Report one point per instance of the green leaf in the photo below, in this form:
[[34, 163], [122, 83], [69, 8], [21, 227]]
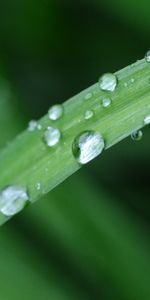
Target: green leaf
[[28, 160]]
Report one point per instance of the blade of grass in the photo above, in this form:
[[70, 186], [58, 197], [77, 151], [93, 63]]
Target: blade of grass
[[28, 160], [102, 241], [23, 273]]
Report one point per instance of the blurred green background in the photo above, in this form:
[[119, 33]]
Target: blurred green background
[[89, 238]]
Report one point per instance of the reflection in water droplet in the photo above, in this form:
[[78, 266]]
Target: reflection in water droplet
[[108, 82], [52, 136], [12, 200], [137, 135], [147, 56], [147, 120], [88, 114], [87, 145], [106, 102], [55, 112]]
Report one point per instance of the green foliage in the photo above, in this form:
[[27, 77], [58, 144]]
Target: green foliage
[[89, 238], [31, 161]]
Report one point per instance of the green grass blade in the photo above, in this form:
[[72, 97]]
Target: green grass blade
[[28, 160]]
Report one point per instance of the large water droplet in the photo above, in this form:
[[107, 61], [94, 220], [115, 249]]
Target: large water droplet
[[52, 136], [108, 82], [88, 114], [12, 200], [147, 120], [137, 135], [87, 146], [106, 102], [55, 112], [147, 56]]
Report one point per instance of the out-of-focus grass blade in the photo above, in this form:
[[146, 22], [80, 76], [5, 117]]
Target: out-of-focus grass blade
[[23, 274], [137, 18], [101, 239]]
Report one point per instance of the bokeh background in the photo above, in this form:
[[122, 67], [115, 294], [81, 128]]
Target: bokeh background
[[89, 238]]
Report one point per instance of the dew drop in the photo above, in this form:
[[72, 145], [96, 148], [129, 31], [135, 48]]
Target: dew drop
[[39, 126], [87, 146], [52, 136], [32, 125], [12, 200], [132, 80], [108, 82], [55, 112], [88, 114], [147, 120], [38, 186], [106, 102], [137, 135], [147, 56], [88, 96]]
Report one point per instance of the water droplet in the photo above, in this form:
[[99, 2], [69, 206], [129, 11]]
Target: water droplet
[[132, 80], [147, 56], [125, 84], [38, 186], [88, 114], [106, 102], [87, 146], [39, 126], [12, 200], [55, 112], [32, 125], [137, 135], [88, 96], [52, 136], [108, 82], [147, 120]]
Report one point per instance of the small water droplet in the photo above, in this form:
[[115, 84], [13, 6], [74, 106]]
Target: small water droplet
[[132, 80], [39, 126], [12, 200], [38, 186], [147, 120], [87, 145], [125, 84], [88, 96], [147, 56], [108, 82], [137, 135], [106, 102], [32, 125], [88, 114], [55, 112], [52, 136]]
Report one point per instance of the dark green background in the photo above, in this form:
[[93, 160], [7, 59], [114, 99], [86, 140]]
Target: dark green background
[[89, 238]]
